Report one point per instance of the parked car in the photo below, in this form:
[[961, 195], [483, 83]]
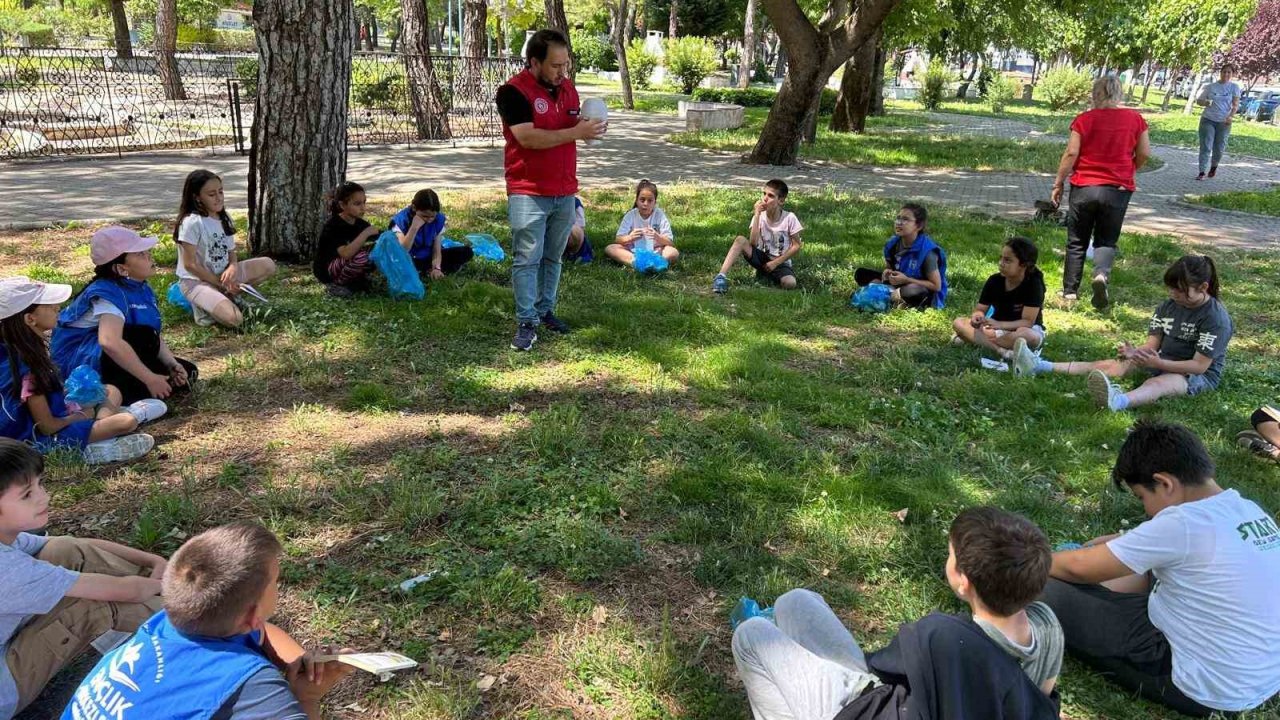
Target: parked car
[[1245, 99], [1263, 107]]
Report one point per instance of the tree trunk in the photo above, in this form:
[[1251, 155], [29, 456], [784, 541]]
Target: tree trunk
[[780, 62], [672, 19], [124, 44], [963, 90], [854, 102], [618, 18], [299, 149], [474, 49], [1146, 86], [429, 112], [877, 79], [780, 137], [556, 21], [748, 67], [166, 48], [373, 30], [1133, 80]]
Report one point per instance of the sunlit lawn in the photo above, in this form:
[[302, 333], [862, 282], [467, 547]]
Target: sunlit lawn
[[1264, 202]]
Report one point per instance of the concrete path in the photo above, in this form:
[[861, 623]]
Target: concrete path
[[146, 185]]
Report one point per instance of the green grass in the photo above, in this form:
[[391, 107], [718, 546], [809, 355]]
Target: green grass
[[1263, 202], [589, 512], [897, 139]]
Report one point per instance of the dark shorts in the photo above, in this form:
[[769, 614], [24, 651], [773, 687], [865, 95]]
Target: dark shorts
[[759, 258]]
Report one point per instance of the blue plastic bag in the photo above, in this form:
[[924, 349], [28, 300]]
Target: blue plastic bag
[[872, 298], [177, 299], [84, 387], [447, 243], [747, 609], [649, 261], [486, 246], [396, 265], [1067, 546]]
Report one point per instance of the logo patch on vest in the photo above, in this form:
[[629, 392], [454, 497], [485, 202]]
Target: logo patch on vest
[[541, 106]]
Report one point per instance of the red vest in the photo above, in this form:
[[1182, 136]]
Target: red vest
[[551, 172]]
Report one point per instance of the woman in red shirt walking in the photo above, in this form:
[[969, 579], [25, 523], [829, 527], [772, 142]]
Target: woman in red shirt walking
[[1108, 144]]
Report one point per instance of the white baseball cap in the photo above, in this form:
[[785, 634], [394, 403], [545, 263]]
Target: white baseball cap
[[19, 293]]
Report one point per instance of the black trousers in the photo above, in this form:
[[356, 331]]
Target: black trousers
[[451, 260], [1111, 632], [146, 344], [1096, 212], [913, 296]]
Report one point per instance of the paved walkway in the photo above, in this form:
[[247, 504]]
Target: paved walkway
[[146, 185]]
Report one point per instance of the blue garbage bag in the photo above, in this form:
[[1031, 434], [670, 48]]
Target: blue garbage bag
[[872, 298], [1067, 546], [84, 387], [649, 261], [177, 299], [447, 243], [747, 609], [486, 246], [394, 263]]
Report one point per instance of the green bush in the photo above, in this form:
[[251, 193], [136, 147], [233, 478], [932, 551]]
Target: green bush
[[188, 35], [242, 40], [378, 86], [1064, 86], [247, 71], [936, 79], [763, 74], [1000, 91], [758, 97], [592, 51], [690, 60], [640, 64]]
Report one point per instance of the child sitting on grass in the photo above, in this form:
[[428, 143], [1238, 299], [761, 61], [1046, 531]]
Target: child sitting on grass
[[211, 647], [35, 409], [419, 228], [915, 265], [578, 248], [342, 260], [60, 593], [1185, 351], [1002, 661], [1009, 308], [644, 225], [774, 240], [1264, 439]]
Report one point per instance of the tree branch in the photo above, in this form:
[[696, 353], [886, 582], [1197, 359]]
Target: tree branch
[[861, 25], [792, 26]]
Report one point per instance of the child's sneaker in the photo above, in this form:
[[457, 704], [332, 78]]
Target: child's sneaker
[[148, 409], [1024, 361], [1258, 445], [119, 449], [1105, 393], [720, 285]]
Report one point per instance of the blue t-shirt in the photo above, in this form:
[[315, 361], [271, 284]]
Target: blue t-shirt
[[427, 234], [31, 587]]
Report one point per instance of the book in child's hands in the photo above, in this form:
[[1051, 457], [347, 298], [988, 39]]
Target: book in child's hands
[[1274, 413], [381, 664]]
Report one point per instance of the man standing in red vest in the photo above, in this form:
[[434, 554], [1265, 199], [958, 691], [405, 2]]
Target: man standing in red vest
[[539, 109]]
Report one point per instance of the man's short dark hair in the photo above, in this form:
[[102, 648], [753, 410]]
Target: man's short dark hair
[[541, 42], [19, 464], [1157, 447], [778, 187], [216, 576], [1005, 556]]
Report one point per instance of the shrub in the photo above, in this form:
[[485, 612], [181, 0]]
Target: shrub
[[763, 73], [1066, 86], [592, 51], [247, 71], [758, 97], [378, 86], [690, 60], [936, 79], [1000, 91], [241, 40], [640, 64], [188, 35], [985, 77]]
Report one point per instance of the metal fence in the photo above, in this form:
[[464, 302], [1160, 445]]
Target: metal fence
[[59, 101]]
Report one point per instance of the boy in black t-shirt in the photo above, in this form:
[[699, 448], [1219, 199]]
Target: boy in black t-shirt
[[1010, 307]]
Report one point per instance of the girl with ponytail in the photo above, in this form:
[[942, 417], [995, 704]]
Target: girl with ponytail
[[1009, 308]]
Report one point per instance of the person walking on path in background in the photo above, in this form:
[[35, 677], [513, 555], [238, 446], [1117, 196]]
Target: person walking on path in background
[[1108, 145], [541, 125], [1220, 100]]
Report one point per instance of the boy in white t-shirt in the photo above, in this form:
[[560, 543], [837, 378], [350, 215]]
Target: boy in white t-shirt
[[775, 239], [1186, 613]]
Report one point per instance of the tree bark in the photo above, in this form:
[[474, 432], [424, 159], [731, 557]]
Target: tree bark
[[120, 21], [299, 149], [673, 24], [877, 79], [618, 19], [814, 53], [429, 112], [963, 90], [556, 21], [1146, 86], [854, 102], [748, 67], [780, 61], [166, 49], [474, 49]]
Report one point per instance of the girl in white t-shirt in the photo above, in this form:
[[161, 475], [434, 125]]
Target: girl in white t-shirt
[[644, 226], [209, 273]]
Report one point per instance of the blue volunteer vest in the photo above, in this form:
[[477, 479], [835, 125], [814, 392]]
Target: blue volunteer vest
[[161, 674], [15, 419], [73, 347], [912, 261]]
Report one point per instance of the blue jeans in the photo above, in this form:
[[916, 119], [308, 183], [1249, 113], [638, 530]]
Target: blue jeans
[[539, 232], [1213, 138]]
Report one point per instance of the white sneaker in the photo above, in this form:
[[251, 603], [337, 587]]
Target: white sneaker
[[147, 409], [119, 449], [1024, 361], [1103, 391]]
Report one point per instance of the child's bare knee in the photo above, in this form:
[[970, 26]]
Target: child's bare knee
[[788, 283]]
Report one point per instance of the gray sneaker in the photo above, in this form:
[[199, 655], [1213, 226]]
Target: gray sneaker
[[1024, 361], [1103, 391], [720, 285], [119, 449], [526, 336]]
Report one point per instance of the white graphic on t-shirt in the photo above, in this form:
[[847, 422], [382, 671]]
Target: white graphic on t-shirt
[[1207, 341], [541, 106], [1164, 325]]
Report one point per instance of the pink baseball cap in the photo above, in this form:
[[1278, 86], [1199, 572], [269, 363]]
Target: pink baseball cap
[[111, 242], [19, 293]]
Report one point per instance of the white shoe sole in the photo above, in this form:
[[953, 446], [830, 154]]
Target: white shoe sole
[[119, 449], [1023, 363], [1099, 389]]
